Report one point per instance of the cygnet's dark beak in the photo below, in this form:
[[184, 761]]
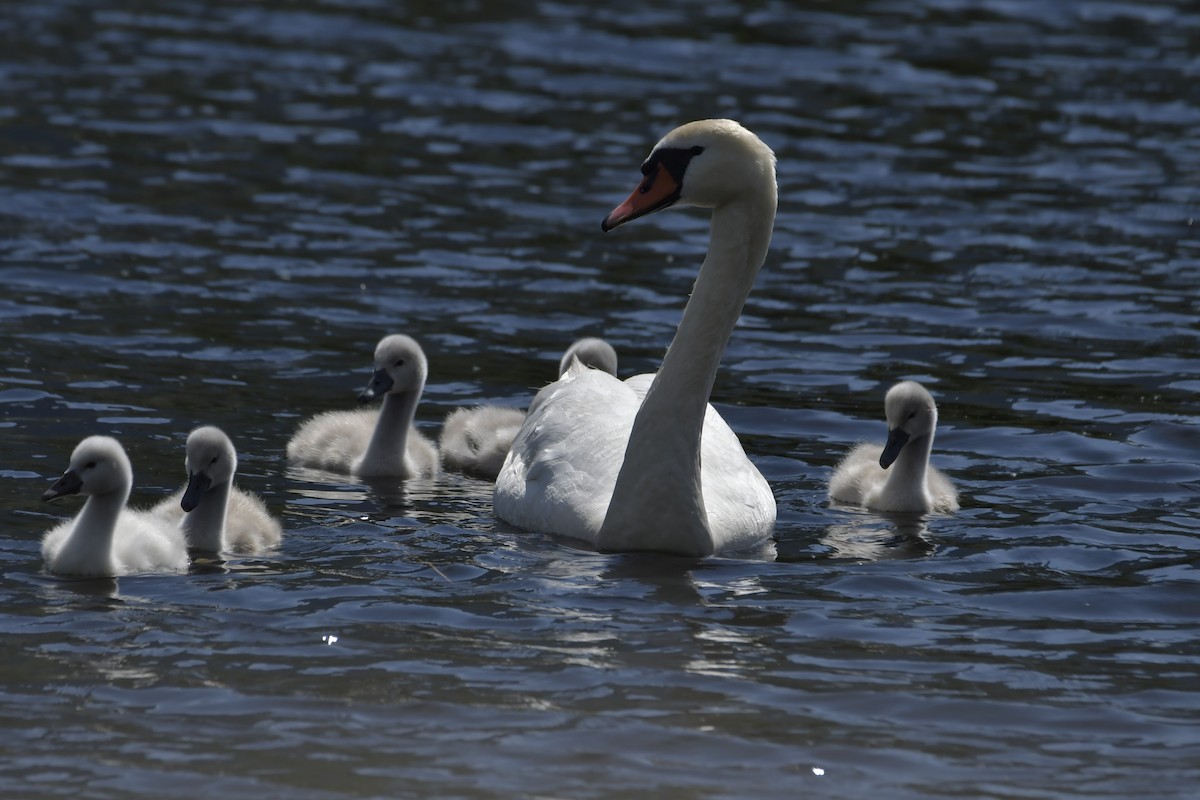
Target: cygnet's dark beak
[[897, 438], [198, 484], [69, 483], [381, 383]]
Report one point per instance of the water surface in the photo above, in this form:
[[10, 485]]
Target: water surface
[[210, 212]]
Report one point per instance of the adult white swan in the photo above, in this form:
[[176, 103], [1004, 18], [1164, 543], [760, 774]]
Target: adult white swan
[[912, 484], [477, 440], [368, 443], [213, 514], [107, 538], [597, 462]]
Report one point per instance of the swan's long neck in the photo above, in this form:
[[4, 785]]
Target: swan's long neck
[[204, 526], [658, 502], [89, 548], [387, 452], [907, 476]]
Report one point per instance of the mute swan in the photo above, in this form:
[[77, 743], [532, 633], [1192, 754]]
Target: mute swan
[[597, 462], [368, 443], [476, 440], [212, 513], [912, 484], [106, 538]]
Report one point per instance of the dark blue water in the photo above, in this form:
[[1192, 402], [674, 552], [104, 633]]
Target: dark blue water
[[210, 212]]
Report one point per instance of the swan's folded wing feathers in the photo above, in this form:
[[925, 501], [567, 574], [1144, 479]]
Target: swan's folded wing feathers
[[572, 441], [739, 501]]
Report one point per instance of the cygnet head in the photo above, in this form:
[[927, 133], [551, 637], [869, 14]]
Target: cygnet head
[[211, 461], [911, 414], [98, 466], [400, 367], [705, 163], [591, 352]]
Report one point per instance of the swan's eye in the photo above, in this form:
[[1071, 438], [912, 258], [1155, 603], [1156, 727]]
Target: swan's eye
[[215, 459], [399, 362], [90, 465], [696, 150]]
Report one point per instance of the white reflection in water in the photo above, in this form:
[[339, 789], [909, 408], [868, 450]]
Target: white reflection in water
[[876, 538]]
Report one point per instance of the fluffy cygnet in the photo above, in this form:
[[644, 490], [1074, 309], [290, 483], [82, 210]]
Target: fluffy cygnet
[[897, 476], [107, 538], [213, 514], [371, 443]]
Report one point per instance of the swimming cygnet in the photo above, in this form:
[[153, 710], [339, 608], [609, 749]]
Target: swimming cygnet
[[477, 440], [213, 514], [912, 484], [371, 443], [107, 538]]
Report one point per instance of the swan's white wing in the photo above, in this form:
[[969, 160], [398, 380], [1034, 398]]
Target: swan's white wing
[[561, 470], [738, 499]]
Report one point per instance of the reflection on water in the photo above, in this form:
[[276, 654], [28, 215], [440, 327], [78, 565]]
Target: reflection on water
[[867, 539], [210, 212]]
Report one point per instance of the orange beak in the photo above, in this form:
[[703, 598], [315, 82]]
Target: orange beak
[[657, 190]]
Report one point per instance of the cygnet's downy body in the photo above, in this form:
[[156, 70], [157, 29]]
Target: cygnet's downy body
[[374, 443], [897, 476]]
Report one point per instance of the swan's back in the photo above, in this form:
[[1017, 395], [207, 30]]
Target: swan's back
[[560, 473]]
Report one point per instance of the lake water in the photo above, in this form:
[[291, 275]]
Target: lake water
[[210, 212]]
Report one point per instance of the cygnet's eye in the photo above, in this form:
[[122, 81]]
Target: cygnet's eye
[[912, 415], [90, 465], [215, 459], [399, 362]]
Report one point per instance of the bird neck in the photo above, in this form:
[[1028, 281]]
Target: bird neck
[[658, 501], [89, 550], [908, 473], [204, 526], [387, 452]]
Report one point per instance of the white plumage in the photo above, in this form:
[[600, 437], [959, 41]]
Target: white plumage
[[106, 538], [897, 476], [371, 443], [631, 466]]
